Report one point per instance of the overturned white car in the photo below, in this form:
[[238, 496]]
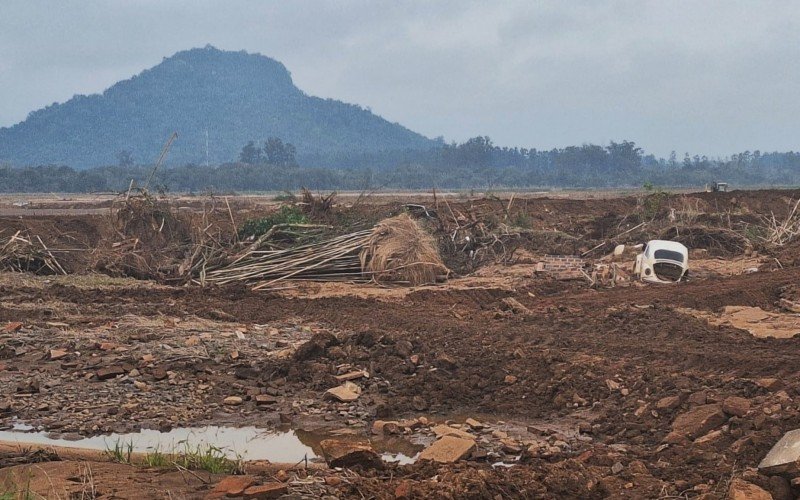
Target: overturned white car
[[662, 262]]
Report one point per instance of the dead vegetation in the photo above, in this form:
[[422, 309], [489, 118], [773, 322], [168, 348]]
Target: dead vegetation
[[315, 237], [783, 232], [400, 250], [28, 253]]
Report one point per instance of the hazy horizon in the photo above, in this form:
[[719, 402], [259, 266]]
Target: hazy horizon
[[713, 78]]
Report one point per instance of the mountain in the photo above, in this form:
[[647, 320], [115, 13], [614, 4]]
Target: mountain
[[235, 96]]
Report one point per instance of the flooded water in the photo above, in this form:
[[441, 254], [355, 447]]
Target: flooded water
[[247, 443]]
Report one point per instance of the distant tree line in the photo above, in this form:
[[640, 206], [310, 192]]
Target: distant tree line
[[476, 163], [274, 152]]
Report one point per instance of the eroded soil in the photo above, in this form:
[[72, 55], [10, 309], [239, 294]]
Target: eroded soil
[[581, 393]]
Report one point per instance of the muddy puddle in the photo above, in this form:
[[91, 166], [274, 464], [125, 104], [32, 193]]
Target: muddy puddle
[[246, 443]]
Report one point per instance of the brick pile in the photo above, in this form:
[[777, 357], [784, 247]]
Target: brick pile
[[563, 267]]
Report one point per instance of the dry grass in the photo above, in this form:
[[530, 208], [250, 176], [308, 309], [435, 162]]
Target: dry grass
[[399, 249]]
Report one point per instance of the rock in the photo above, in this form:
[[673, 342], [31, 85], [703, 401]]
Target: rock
[[159, 373], [265, 400], [740, 444], [698, 398], [352, 375], [110, 372], [377, 426], [404, 490], [232, 486], [265, 491], [780, 488], [617, 468], [735, 405], [709, 438], [784, 455], [445, 430], [638, 467], [345, 393], [513, 305], [474, 424], [140, 385], [612, 385], [445, 362], [315, 347], [385, 427], [668, 403], [698, 421], [770, 384], [57, 354], [510, 446], [333, 480], [410, 423], [742, 490], [510, 379], [339, 453], [448, 449], [232, 401]]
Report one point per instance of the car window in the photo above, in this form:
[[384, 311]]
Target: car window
[[669, 255]]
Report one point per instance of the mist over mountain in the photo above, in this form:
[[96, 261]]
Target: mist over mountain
[[229, 97]]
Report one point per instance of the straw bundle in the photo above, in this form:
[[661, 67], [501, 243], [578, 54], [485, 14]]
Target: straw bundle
[[400, 250]]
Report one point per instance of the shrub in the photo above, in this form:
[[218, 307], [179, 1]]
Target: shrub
[[286, 215]]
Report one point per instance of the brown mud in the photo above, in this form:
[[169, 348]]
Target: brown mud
[[614, 366]]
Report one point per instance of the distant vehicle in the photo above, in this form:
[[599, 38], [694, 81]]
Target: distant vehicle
[[717, 187], [662, 262]]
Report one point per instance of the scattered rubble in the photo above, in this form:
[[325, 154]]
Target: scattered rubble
[[339, 453], [448, 449]]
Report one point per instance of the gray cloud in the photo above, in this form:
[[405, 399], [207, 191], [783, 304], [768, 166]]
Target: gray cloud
[[712, 77]]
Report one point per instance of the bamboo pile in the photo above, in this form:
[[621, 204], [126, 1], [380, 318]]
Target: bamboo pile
[[330, 260], [397, 250]]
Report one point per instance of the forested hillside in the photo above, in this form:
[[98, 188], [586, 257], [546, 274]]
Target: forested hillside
[[229, 97]]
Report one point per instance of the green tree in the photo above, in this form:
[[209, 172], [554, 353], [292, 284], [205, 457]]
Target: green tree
[[279, 153], [250, 154]]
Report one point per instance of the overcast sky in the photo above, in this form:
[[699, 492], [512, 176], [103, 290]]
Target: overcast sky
[[712, 77]]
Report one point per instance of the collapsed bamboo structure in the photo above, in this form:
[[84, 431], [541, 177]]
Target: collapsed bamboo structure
[[397, 249]]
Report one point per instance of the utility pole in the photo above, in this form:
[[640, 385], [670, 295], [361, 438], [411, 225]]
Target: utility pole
[[206, 147]]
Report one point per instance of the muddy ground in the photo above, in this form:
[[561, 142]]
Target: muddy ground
[[635, 391]]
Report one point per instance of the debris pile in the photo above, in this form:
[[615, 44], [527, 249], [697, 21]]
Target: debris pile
[[149, 240], [397, 249], [25, 253]]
